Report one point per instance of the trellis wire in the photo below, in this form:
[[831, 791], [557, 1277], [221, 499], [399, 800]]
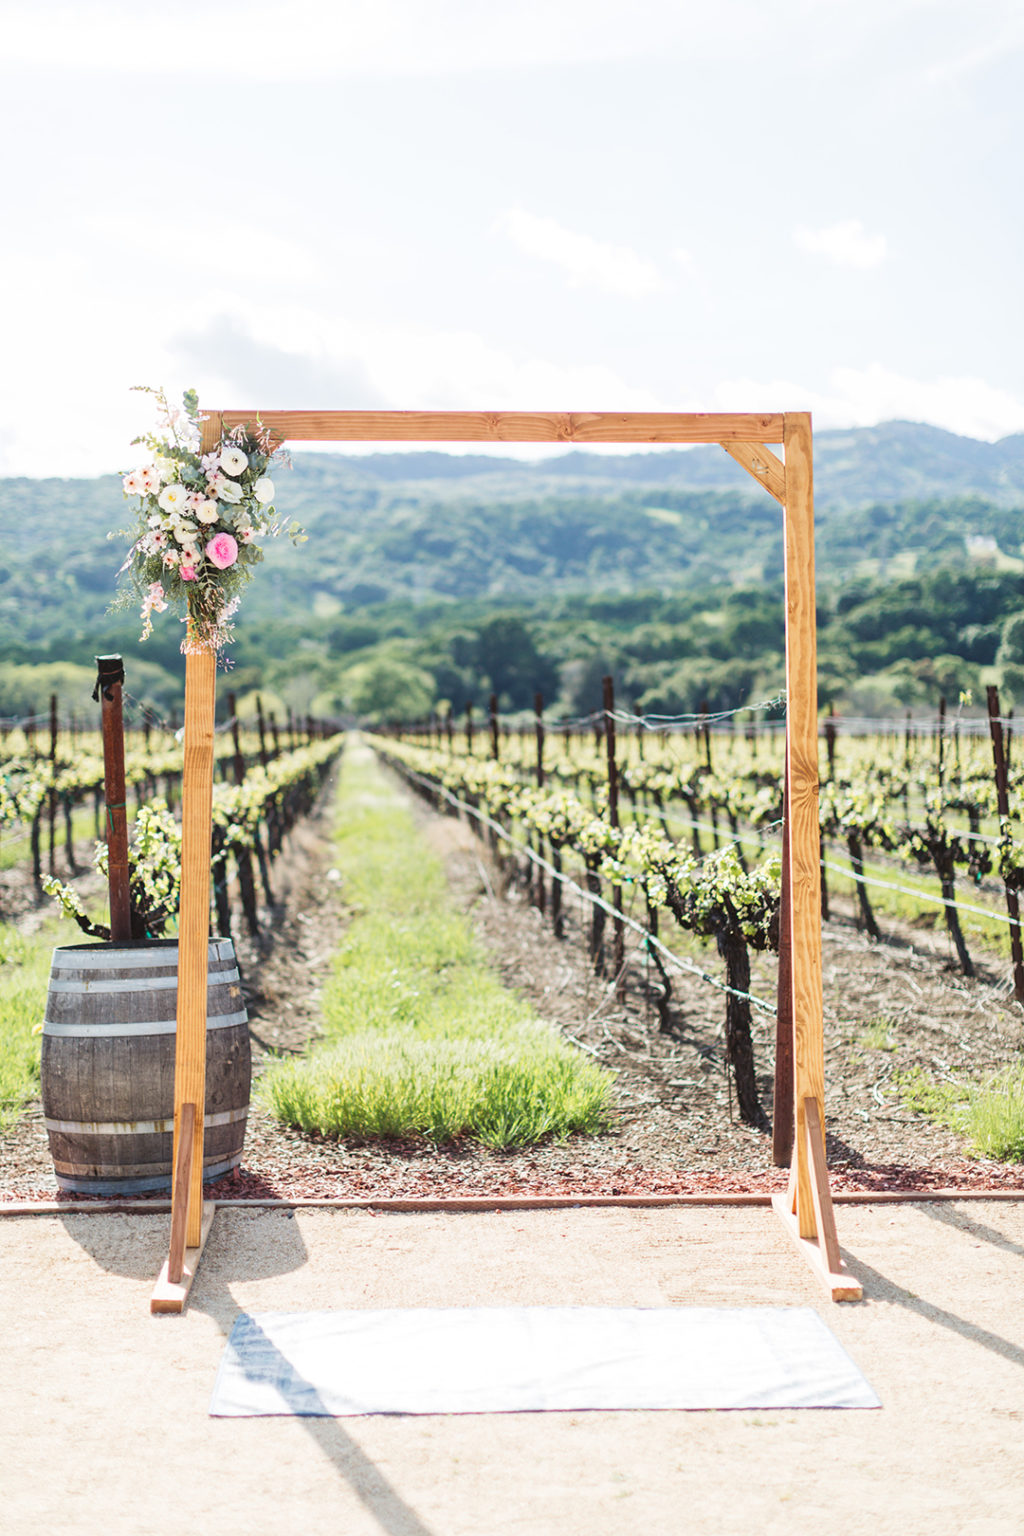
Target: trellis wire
[[598, 901]]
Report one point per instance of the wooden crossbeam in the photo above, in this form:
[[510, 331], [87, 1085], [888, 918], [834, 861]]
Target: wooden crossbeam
[[510, 426], [767, 469]]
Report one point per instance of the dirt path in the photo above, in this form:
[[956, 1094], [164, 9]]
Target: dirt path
[[103, 1409]]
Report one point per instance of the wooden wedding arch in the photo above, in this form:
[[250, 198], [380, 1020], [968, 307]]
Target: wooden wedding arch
[[806, 1208]]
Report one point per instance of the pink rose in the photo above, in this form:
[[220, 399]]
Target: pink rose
[[187, 572], [222, 551]]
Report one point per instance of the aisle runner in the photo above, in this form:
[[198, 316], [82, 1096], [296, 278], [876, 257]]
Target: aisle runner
[[513, 1359]]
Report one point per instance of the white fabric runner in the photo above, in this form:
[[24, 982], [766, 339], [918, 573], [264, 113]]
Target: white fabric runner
[[515, 1359]]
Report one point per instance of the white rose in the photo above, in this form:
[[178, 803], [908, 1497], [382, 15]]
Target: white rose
[[233, 461], [229, 491], [173, 497], [263, 490], [207, 512]]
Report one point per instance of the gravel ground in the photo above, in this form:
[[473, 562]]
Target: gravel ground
[[675, 1130], [104, 1423]]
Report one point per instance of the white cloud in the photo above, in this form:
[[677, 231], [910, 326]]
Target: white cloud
[[240, 251], [317, 39], [862, 397], [585, 261], [847, 244], [79, 418]]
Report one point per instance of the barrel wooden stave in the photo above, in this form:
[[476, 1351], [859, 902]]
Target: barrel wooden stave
[[108, 1065]]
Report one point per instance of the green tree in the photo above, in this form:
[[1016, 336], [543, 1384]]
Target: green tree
[[388, 688]]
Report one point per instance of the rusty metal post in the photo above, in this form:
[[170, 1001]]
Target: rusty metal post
[[109, 682]]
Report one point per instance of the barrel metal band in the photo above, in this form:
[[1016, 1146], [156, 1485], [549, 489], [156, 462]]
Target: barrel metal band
[[148, 956], [140, 1127], [102, 987], [150, 1027]]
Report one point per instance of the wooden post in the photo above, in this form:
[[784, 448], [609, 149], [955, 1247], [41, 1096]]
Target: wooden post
[[469, 730], [264, 759], [704, 732], [995, 726], [109, 683], [941, 741], [830, 741], [618, 927], [52, 797], [538, 727], [179, 1197], [194, 915], [194, 910], [494, 727], [806, 1209]]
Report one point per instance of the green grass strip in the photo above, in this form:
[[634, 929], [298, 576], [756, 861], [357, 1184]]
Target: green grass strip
[[24, 973], [989, 1115], [422, 1039]]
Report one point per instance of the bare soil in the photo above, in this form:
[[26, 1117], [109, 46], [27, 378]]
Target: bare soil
[[889, 1007]]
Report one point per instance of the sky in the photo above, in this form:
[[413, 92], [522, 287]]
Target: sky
[[571, 205]]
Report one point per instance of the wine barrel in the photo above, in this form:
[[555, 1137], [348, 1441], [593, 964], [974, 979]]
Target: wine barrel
[[108, 1065]]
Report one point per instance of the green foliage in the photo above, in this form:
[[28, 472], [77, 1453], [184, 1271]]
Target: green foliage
[[877, 1034], [990, 1115], [387, 687], [154, 876], [485, 575], [24, 969], [502, 1092]]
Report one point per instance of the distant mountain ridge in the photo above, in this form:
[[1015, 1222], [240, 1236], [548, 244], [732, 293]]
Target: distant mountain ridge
[[418, 527]]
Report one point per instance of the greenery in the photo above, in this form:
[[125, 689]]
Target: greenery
[[440, 579], [421, 1038], [24, 970], [990, 1115]]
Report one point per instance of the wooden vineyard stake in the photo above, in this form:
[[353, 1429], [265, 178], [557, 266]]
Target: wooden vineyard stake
[[618, 928], [995, 725], [493, 718]]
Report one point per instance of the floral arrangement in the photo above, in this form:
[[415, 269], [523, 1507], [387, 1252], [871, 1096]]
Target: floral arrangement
[[200, 519]]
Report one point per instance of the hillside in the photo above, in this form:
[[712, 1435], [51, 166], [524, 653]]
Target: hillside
[[410, 555], [415, 526]]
